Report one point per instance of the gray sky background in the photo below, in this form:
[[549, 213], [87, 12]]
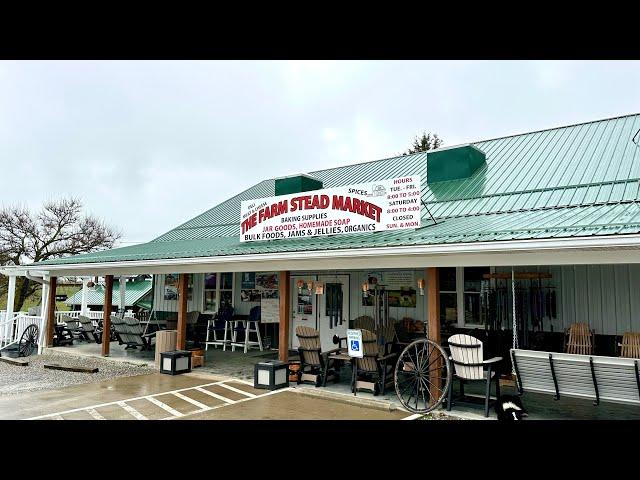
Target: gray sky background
[[148, 145]]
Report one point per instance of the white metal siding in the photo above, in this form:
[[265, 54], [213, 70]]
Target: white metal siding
[[604, 296]]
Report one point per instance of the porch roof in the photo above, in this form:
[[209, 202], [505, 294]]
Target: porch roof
[[134, 292], [576, 181]]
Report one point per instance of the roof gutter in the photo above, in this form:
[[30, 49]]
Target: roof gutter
[[33, 278], [591, 250]]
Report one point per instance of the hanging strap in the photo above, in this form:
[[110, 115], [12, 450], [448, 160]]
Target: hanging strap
[[515, 323]]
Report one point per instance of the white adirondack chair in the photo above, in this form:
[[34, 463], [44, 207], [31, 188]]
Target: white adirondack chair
[[470, 366]]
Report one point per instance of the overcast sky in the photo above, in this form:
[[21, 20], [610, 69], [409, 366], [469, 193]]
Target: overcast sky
[[148, 145]]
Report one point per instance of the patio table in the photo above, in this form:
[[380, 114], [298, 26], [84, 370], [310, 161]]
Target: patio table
[[63, 335], [341, 356]]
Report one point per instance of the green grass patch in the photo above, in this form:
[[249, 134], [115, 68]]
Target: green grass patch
[[36, 299]]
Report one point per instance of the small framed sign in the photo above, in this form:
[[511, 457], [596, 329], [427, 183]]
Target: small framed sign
[[354, 343]]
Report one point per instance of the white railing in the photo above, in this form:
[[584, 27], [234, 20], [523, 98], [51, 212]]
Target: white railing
[[3, 314], [60, 314], [94, 315], [12, 329]]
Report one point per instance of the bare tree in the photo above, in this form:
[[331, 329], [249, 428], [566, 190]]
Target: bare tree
[[57, 230]]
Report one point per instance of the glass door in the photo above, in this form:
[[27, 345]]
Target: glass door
[[303, 301], [333, 309]]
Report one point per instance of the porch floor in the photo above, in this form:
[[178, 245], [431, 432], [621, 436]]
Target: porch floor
[[240, 365], [234, 364]]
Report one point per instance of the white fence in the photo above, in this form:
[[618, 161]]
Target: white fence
[[94, 315], [12, 329]]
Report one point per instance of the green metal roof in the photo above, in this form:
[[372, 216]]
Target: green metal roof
[[578, 180], [134, 292]]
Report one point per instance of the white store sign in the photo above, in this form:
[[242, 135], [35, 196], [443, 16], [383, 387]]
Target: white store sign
[[270, 310], [367, 207], [354, 343]]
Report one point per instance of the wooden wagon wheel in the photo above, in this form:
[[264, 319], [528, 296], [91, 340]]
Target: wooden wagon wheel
[[28, 341], [422, 376]]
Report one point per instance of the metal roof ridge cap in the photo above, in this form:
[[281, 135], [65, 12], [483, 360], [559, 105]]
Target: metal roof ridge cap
[[560, 127], [372, 161]]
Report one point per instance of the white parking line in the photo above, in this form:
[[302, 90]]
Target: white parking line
[[136, 414], [237, 390], [94, 414], [143, 397], [215, 395], [201, 406], [91, 410], [164, 406]]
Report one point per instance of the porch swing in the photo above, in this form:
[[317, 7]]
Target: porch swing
[[579, 375]]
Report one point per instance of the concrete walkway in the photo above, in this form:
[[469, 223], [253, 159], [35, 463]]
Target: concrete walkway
[[188, 396]]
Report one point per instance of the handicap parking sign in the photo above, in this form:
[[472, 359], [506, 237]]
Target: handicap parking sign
[[354, 342]]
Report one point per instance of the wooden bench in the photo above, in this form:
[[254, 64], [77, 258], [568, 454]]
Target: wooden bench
[[597, 378]]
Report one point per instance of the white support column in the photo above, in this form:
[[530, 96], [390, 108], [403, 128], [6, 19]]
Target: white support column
[[85, 294], [43, 313], [460, 295], [122, 304], [11, 298]]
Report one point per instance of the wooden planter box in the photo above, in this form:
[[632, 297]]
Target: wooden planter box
[[197, 361], [197, 357]]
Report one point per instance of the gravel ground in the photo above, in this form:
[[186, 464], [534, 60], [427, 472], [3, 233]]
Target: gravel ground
[[16, 379]]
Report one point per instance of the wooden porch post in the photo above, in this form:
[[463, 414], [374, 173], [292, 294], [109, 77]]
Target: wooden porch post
[[285, 307], [106, 314], [433, 302], [51, 310], [181, 341], [433, 328]]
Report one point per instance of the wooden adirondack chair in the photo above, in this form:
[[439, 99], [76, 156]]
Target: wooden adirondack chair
[[630, 346], [364, 322], [73, 326], [374, 371], [470, 366], [385, 335], [315, 366], [89, 330], [579, 339]]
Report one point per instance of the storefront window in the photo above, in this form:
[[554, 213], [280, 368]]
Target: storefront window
[[473, 286], [304, 303], [448, 302], [218, 291], [226, 289], [448, 309], [447, 277]]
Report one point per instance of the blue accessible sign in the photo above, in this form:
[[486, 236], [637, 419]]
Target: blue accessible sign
[[354, 343]]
